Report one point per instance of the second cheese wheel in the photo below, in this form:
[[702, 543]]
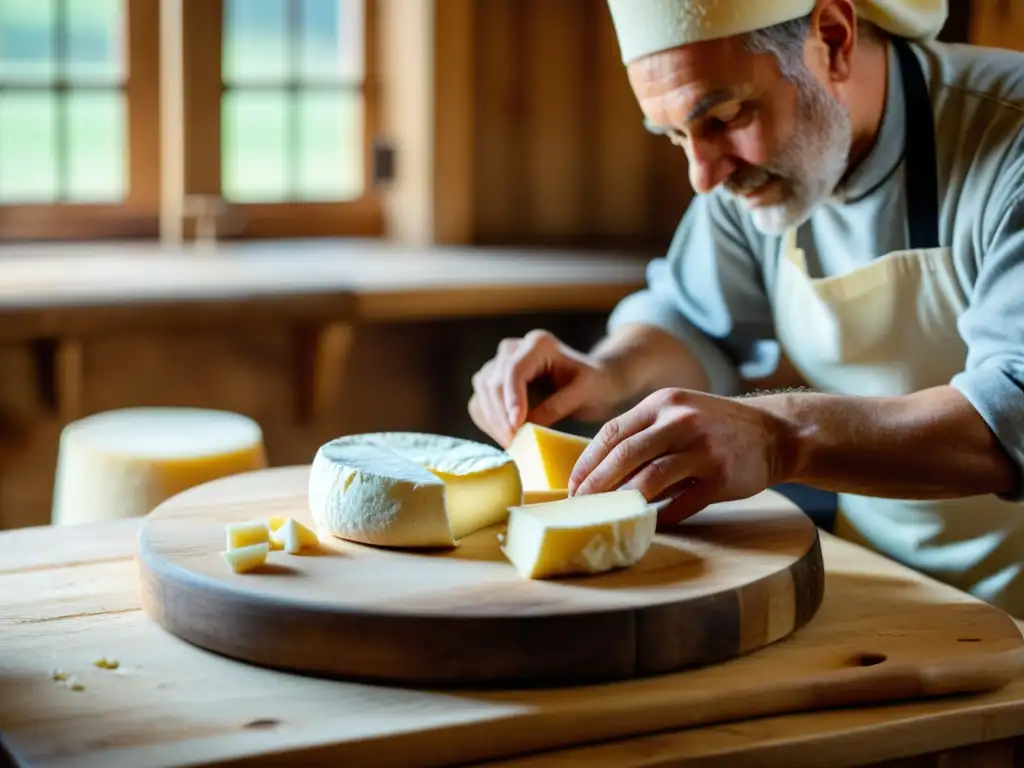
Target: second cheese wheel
[[122, 463], [410, 489]]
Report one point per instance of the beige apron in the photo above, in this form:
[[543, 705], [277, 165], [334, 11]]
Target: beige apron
[[889, 329]]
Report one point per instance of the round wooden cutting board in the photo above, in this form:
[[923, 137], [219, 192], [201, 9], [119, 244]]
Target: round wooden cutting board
[[729, 580]]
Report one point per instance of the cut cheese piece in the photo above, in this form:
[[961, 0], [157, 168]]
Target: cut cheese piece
[[539, 496], [275, 523], [247, 558], [294, 537], [585, 534], [123, 463], [410, 489], [243, 534], [545, 457]]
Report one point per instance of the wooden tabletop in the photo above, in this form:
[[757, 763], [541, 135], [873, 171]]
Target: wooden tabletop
[[53, 289], [70, 594]]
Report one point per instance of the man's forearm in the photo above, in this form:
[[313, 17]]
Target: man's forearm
[[643, 358], [928, 445]]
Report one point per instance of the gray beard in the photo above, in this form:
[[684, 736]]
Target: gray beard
[[810, 165]]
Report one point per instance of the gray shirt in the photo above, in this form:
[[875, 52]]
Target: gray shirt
[[712, 289]]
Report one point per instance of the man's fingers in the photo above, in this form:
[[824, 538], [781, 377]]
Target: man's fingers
[[666, 475], [610, 435], [530, 359], [687, 501], [634, 454], [485, 409], [560, 404]]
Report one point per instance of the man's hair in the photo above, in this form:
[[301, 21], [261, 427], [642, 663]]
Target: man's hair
[[785, 41]]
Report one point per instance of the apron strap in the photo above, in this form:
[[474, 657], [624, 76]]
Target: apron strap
[[920, 172]]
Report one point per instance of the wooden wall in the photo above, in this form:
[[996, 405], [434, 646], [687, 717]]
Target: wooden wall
[[998, 23], [560, 155]]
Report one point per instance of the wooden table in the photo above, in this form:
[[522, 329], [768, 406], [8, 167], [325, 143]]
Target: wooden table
[[69, 592]]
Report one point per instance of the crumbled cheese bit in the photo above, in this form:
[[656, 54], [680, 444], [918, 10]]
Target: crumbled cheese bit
[[104, 663]]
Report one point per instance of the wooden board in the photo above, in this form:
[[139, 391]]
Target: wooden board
[[733, 579], [70, 595]]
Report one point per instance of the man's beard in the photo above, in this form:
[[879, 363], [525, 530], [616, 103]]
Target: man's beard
[[810, 165]]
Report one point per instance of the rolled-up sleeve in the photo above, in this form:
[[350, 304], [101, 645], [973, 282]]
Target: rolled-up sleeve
[[708, 292], [992, 327]]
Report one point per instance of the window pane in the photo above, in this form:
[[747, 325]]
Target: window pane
[[26, 39], [332, 39], [96, 146], [255, 32], [28, 148], [95, 40], [331, 153], [254, 165]]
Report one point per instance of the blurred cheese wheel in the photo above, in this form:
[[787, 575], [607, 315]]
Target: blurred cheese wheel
[[122, 463]]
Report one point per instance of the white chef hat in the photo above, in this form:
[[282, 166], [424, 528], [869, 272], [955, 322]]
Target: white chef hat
[[647, 26]]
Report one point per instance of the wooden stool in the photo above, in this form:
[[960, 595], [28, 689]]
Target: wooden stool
[[124, 462]]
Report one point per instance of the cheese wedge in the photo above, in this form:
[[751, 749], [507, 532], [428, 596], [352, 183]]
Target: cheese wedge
[[293, 537], [539, 496], [243, 534], [245, 559], [545, 457], [587, 534], [410, 489], [123, 463]]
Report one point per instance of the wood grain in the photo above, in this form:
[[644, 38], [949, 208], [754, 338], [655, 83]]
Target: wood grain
[[173, 704], [738, 577]]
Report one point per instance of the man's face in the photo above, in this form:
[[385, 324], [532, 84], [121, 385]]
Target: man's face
[[780, 146]]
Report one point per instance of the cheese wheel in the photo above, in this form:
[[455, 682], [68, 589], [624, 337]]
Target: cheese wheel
[[122, 463], [410, 489]]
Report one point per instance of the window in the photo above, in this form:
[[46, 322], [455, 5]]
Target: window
[[76, 104], [277, 117]]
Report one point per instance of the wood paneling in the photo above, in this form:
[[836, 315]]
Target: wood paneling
[[998, 23], [560, 155]]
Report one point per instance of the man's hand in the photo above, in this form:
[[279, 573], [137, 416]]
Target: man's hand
[[697, 448], [584, 388]]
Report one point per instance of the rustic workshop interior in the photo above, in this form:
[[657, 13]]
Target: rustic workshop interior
[[323, 216]]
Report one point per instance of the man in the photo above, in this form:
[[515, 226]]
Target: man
[[859, 220]]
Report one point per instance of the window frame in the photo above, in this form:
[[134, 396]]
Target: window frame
[[137, 215], [203, 25], [149, 199]]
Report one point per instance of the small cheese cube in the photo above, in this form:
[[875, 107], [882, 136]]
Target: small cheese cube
[[274, 523], [295, 537], [585, 534], [246, 558], [243, 534]]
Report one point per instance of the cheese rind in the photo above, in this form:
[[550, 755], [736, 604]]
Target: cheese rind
[[410, 489], [245, 559], [586, 534], [545, 457]]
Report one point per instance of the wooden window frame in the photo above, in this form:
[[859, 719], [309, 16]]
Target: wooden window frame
[[137, 215], [202, 26], [148, 184]]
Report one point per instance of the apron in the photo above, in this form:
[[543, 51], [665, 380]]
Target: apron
[[889, 329]]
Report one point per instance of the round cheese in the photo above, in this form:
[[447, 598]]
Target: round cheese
[[410, 489], [122, 463]]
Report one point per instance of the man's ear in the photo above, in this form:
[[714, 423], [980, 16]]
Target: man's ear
[[834, 24]]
